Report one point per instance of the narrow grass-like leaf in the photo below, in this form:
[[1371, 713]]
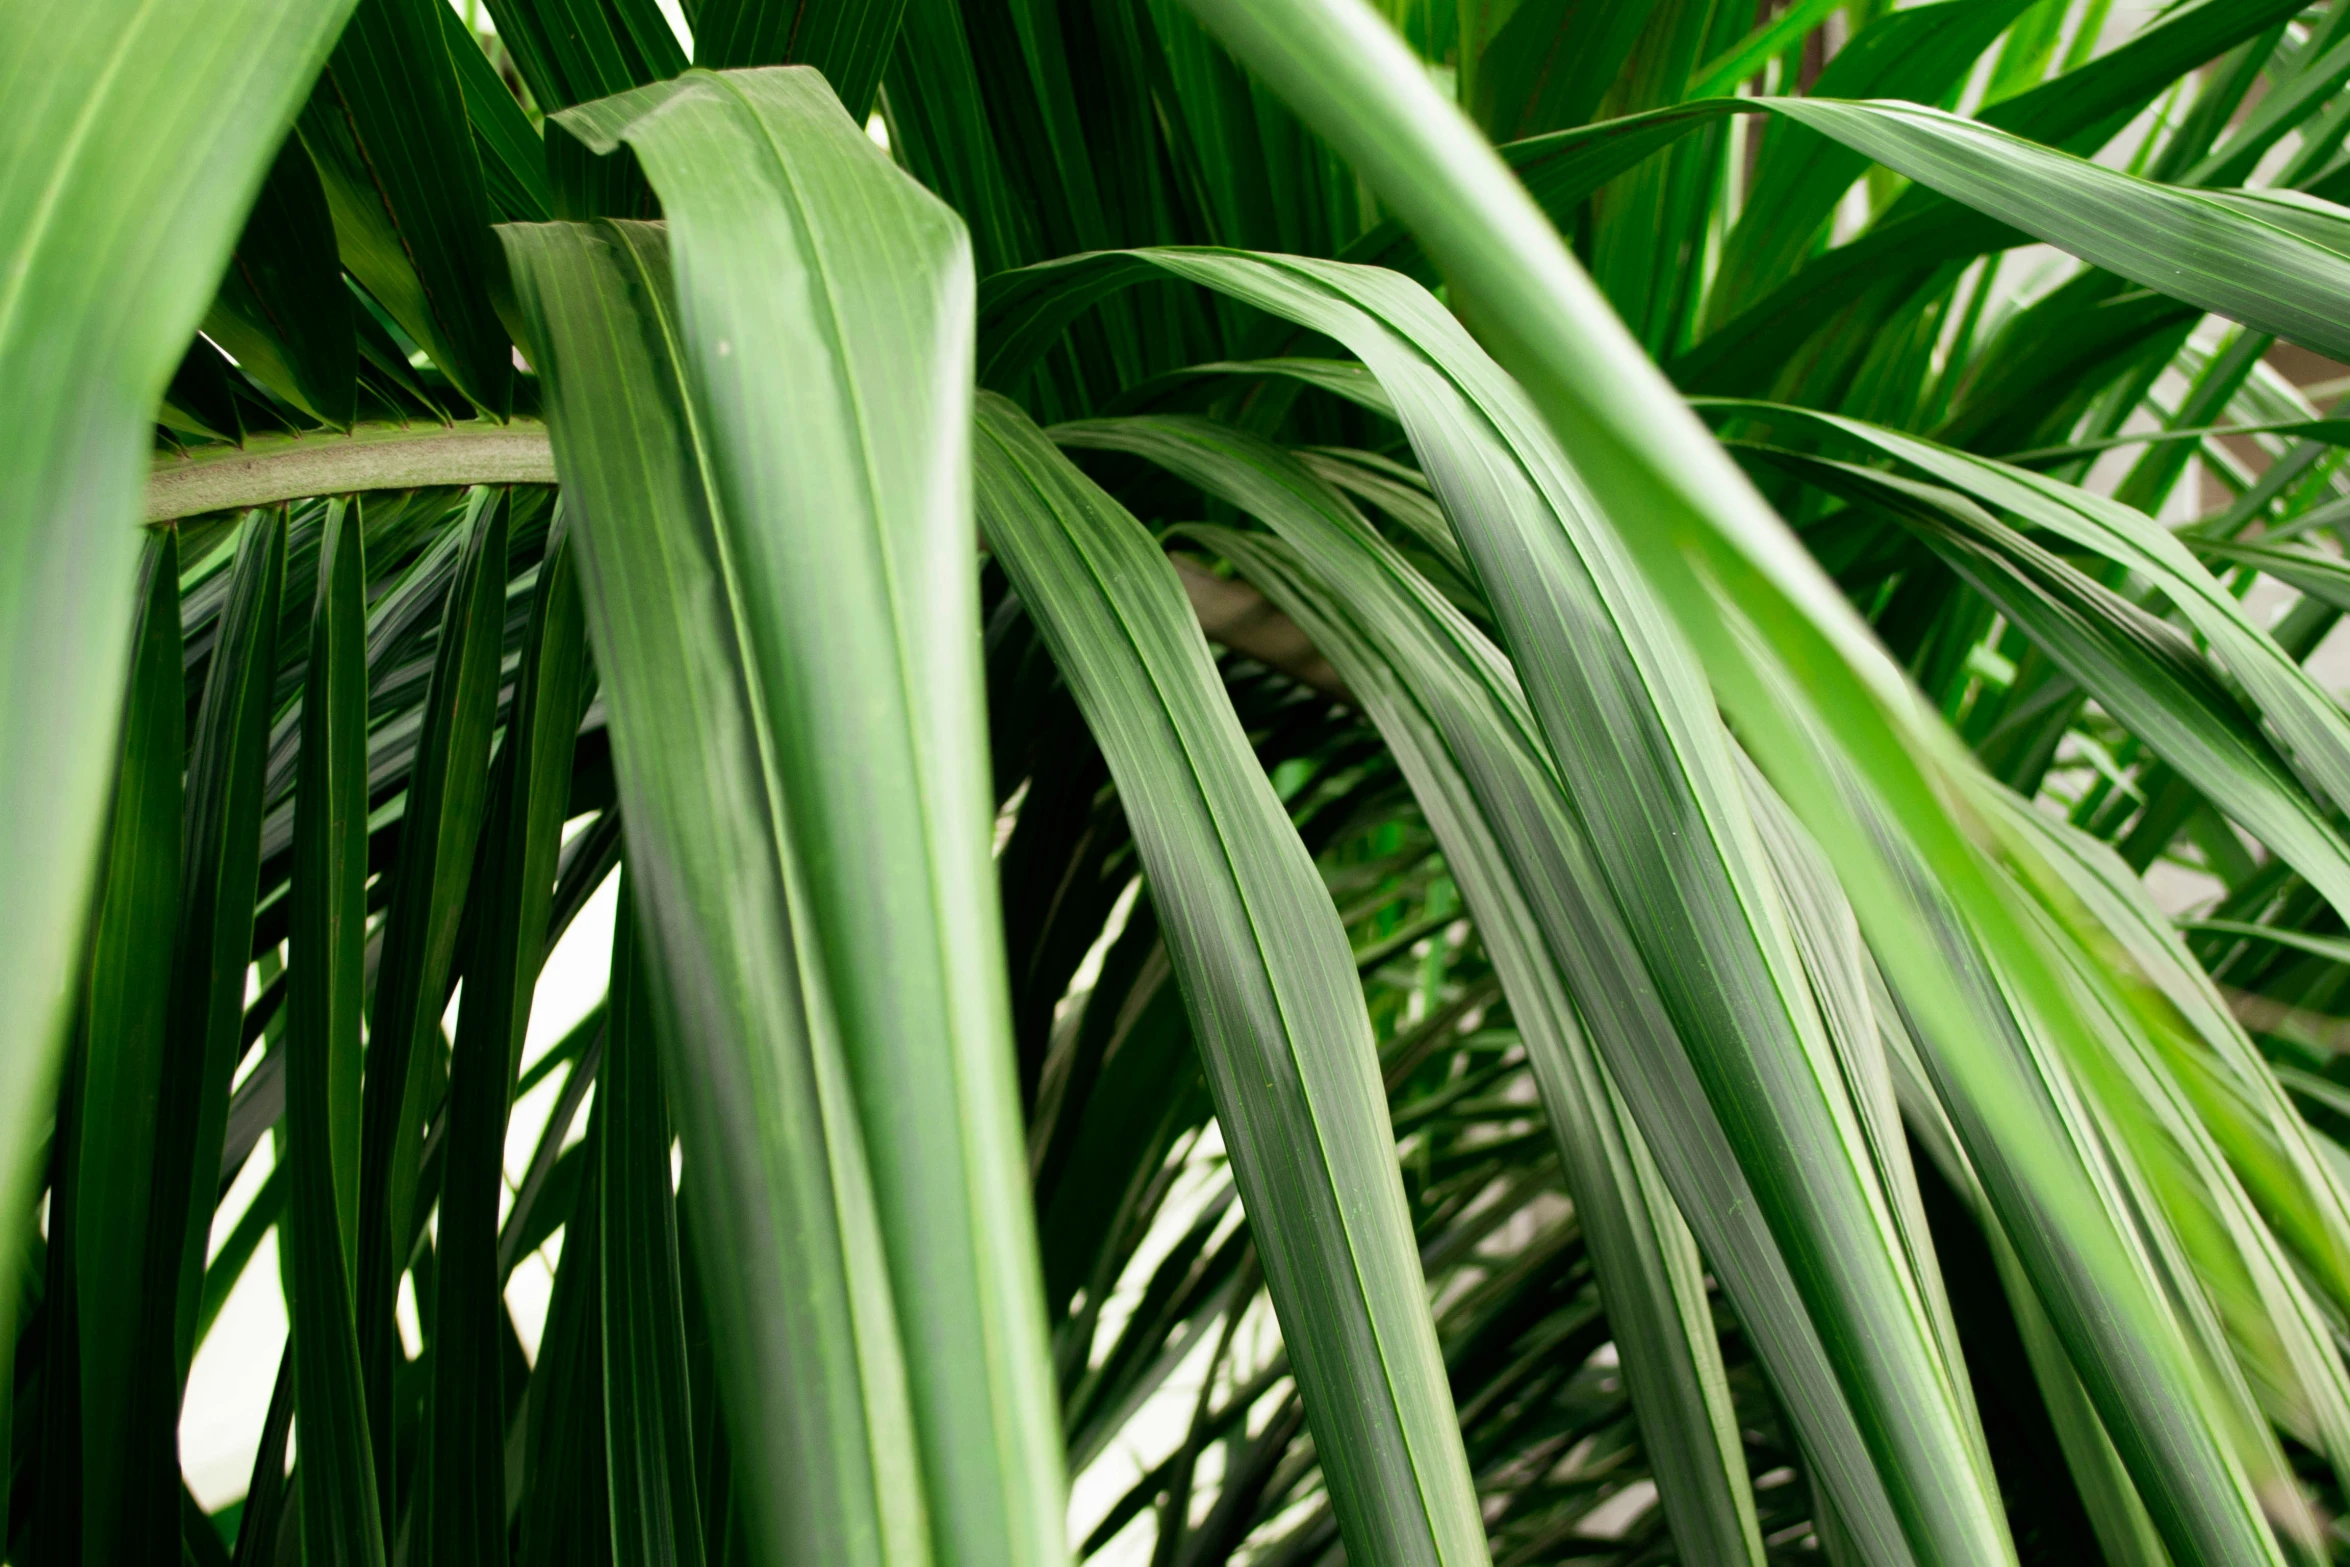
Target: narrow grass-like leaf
[[283, 310], [1271, 987], [462, 1519], [339, 1518], [859, 607], [797, 1286], [125, 1032], [848, 40], [513, 156], [448, 794], [388, 132], [569, 51], [2272, 1148], [2315, 730], [565, 1515], [648, 1423], [1918, 54], [221, 844], [2140, 668], [264, 1509]]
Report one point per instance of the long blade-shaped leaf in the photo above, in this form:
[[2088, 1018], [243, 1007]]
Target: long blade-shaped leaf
[[448, 792], [1695, 527], [340, 1520], [124, 1036], [131, 138], [1271, 986], [2139, 668], [565, 1517], [388, 132], [648, 1423], [221, 854], [2272, 1148], [2314, 728], [463, 1519], [848, 40], [1631, 727], [821, 291], [800, 1307], [284, 310], [1648, 1266]]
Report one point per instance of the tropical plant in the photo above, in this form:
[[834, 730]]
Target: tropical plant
[[1538, 780]]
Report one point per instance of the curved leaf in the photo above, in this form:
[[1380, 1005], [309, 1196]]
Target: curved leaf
[[1631, 727], [1271, 986], [1421, 673], [1696, 530]]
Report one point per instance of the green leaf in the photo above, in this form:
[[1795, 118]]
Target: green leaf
[[513, 157], [820, 290], [565, 1516], [387, 130], [282, 309], [648, 1423], [2140, 669], [267, 1497], [2258, 273], [1549, 64], [1918, 54], [221, 844], [1600, 664], [448, 795], [1426, 677], [461, 1518], [2272, 1148], [2312, 725], [939, 125], [1694, 529], [798, 1289], [339, 1520], [848, 40], [126, 1016], [569, 51], [2078, 111], [1270, 982], [111, 255], [1767, 42]]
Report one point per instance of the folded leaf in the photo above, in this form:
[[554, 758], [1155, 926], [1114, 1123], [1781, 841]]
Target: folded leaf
[[797, 1285], [821, 291]]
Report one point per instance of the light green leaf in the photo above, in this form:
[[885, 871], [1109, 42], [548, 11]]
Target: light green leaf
[[131, 139], [1420, 671], [800, 1306], [821, 291], [1270, 981]]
